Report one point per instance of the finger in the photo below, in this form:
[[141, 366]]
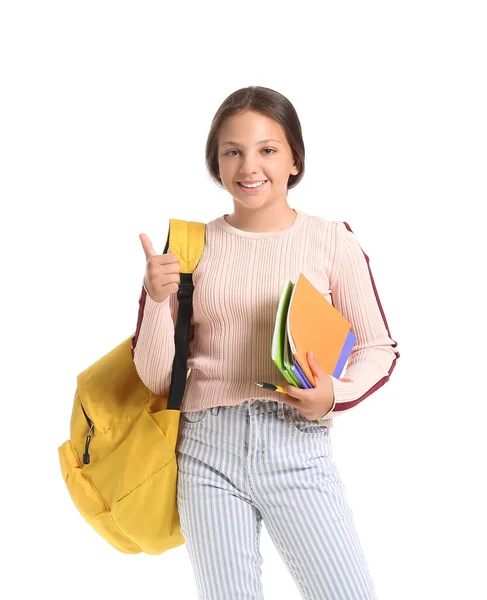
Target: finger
[[147, 246], [167, 258], [292, 392], [314, 366]]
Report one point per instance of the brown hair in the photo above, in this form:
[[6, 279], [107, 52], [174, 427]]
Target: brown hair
[[266, 102]]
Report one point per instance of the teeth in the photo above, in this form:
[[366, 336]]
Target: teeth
[[247, 185]]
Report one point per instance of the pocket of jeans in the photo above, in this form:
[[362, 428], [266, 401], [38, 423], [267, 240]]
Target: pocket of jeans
[[195, 417], [305, 427]]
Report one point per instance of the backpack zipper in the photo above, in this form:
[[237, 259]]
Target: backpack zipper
[[86, 455]]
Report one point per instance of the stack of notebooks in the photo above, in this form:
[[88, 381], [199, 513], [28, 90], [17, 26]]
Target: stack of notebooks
[[306, 321]]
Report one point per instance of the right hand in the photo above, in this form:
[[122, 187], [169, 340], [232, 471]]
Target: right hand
[[161, 272]]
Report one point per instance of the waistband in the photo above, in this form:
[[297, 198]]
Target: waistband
[[257, 405]]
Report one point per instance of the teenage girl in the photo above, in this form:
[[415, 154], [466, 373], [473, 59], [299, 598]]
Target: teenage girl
[[245, 454]]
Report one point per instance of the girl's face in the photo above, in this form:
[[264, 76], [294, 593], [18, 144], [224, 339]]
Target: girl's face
[[253, 147]]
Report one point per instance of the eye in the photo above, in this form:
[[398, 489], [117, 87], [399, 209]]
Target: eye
[[268, 154]]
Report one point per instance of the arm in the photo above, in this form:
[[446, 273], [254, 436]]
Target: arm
[[354, 294]]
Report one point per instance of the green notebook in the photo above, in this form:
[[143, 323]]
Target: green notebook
[[280, 343]]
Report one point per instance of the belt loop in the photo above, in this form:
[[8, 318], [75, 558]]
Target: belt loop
[[280, 410], [215, 410]]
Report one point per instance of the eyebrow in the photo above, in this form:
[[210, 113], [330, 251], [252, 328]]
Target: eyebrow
[[261, 142]]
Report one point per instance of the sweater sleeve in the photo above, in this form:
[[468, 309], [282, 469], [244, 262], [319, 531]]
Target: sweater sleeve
[[153, 345], [354, 294]]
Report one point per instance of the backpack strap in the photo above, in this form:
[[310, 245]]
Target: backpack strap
[[186, 240]]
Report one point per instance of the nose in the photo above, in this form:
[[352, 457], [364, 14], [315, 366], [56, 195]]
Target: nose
[[248, 167]]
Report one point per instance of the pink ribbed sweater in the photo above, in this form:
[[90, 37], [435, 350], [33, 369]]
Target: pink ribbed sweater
[[237, 285]]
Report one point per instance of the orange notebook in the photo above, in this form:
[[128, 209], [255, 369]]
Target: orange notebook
[[315, 324]]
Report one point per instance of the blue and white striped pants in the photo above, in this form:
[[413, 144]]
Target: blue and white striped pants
[[262, 460]]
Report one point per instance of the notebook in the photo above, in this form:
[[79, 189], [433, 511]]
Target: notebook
[[306, 321], [280, 344]]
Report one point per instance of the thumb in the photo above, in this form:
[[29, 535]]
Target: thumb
[[147, 246], [313, 363]]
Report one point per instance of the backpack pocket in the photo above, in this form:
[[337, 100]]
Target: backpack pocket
[[89, 502]]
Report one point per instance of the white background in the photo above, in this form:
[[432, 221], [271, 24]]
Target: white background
[[105, 110]]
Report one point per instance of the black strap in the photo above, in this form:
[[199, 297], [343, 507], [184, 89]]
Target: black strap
[[181, 339]]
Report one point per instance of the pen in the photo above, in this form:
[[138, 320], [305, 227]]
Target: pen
[[277, 388]]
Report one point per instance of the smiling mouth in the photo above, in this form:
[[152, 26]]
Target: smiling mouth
[[254, 186]]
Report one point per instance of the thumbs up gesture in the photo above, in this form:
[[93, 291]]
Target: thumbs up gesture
[[161, 272]]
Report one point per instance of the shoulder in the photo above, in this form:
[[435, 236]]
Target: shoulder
[[321, 222], [213, 221], [335, 229], [340, 230]]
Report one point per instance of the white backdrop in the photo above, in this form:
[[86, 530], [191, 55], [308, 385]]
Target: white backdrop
[[105, 110]]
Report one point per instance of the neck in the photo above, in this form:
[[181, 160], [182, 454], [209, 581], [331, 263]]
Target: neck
[[266, 219]]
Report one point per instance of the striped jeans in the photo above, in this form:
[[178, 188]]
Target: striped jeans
[[262, 460]]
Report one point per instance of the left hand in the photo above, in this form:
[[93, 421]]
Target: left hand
[[315, 402]]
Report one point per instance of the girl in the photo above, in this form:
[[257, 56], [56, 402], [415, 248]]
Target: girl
[[244, 459]]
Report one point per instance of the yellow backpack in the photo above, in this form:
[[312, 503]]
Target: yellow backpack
[[120, 464]]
